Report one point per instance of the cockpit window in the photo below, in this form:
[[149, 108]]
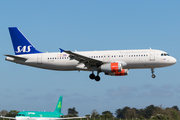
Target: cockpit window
[[165, 54]]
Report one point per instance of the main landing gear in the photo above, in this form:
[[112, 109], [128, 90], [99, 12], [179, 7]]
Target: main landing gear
[[152, 71], [92, 76]]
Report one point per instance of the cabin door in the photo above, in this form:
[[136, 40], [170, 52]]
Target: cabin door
[[39, 59], [152, 55]]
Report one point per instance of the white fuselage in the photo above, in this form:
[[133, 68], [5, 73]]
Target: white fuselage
[[134, 59]]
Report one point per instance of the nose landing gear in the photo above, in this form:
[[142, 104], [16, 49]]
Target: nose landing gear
[[152, 71], [153, 76], [92, 76]]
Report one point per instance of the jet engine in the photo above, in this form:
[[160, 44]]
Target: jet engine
[[114, 69], [122, 73], [111, 67]]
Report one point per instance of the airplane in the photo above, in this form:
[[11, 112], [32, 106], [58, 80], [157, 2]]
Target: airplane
[[43, 115], [112, 62]]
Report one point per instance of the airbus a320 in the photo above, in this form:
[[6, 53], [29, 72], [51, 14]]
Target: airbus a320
[[113, 62]]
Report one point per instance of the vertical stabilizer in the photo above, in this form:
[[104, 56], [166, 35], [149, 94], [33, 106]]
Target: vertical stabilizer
[[59, 105], [20, 43]]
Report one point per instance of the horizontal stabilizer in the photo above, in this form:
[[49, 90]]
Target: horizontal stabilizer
[[16, 57]]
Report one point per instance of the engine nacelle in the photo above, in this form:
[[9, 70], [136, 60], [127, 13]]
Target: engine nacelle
[[111, 67], [122, 73]]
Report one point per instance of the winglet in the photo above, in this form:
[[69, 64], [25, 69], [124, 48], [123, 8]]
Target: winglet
[[61, 50]]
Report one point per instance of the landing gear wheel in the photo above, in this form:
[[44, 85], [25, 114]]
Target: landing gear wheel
[[153, 76], [97, 78], [92, 76], [152, 71]]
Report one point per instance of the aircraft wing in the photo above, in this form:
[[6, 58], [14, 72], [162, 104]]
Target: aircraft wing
[[83, 59], [45, 118], [63, 118]]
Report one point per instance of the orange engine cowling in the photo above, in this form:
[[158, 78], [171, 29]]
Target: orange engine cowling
[[114, 69], [111, 67], [122, 73]]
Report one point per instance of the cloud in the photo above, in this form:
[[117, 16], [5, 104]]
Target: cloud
[[150, 91], [49, 97], [80, 98], [177, 89], [123, 92], [31, 98], [59, 90], [145, 91]]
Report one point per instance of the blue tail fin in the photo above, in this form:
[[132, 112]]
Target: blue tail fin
[[59, 105], [20, 42]]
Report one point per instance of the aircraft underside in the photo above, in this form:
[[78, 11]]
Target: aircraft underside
[[118, 71]]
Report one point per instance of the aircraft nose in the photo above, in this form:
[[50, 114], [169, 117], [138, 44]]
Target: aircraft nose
[[173, 60]]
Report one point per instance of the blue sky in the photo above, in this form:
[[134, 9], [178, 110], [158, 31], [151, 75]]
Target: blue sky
[[84, 26]]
